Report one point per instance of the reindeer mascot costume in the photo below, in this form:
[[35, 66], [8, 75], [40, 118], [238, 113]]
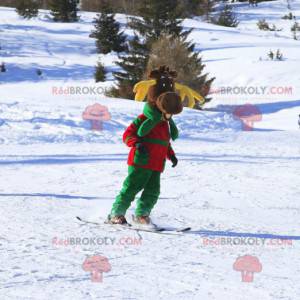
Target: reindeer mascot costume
[[149, 136]]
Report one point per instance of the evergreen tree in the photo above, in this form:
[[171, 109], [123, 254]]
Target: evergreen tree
[[133, 66], [39, 72], [27, 8], [279, 55], [227, 18], [263, 25], [2, 67], [295, 29], [100, 73], [64, 10], [158, 16], [107, 35], [289, 16], [271, 55]]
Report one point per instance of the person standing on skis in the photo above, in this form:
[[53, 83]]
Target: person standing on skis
[[149, 137]]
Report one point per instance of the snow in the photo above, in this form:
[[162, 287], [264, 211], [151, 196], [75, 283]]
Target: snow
[[228, 181]]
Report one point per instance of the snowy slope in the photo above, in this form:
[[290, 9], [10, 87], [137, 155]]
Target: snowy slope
[[228, 181]]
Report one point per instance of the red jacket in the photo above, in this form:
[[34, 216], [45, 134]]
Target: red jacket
[[156, 139]]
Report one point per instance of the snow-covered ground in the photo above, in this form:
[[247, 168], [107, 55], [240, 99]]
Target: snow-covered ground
[[228, 181]]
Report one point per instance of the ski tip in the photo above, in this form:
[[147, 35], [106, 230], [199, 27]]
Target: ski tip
[[187, 229], [78, 218], [184, 229]]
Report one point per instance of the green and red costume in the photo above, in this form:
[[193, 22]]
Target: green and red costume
[[144, 169]]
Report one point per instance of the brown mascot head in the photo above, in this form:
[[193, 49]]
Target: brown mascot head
[[162, 94]]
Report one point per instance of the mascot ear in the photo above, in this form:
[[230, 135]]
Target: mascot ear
[[173, 74], [154, 74], [162, 69]]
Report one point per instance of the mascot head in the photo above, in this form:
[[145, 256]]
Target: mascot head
[[162, 94], [161, 81], [165, 82]]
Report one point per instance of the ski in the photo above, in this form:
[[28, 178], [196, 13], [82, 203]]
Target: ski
[[155, 229], [146, 227]]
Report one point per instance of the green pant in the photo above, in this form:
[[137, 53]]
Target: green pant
[[138, 179]]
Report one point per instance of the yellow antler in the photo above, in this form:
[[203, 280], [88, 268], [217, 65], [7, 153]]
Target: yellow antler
[[141, 89], [185, 91]]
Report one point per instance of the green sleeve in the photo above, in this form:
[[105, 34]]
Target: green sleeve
[[146, 127], [173, 130]]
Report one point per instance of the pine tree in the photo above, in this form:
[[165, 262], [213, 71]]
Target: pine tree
[[227, 18], [133, 65], [175, 53], [39, 72], [158, 16], [100, 73], [289, 16], [263, 25], [64, 10], [27, 8], [279, 55], [271, 55], [295, 29], [107, 33], [2, 67]]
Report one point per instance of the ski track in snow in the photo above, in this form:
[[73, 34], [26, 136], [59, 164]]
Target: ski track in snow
[[228, 181]]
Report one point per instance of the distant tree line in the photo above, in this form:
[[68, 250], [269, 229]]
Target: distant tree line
[[187, 7], [44, 4]]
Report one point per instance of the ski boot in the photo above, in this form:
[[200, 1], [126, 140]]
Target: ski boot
[[117, 220], [143, 220]]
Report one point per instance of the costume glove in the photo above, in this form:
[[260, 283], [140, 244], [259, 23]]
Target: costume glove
[[174, 161], [142, 148]]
